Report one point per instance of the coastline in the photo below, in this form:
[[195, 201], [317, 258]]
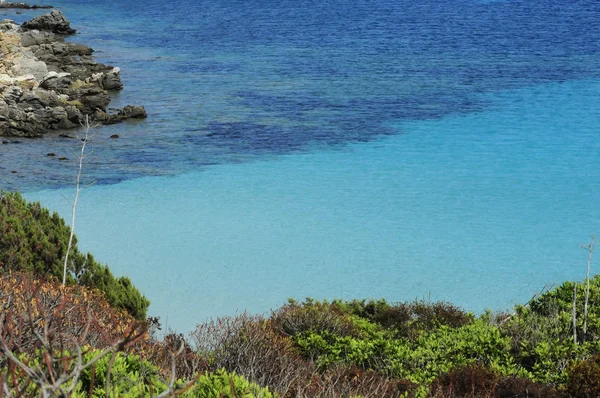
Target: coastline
[[49, 84], [24, 6]]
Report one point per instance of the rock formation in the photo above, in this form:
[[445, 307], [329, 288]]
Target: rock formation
[[49, 84]]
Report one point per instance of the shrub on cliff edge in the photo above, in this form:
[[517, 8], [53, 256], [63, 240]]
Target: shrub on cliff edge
[[35, 241]]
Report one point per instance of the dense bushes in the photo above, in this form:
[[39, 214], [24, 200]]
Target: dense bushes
[[305, 349], [35, 241], [409, 319], [310, 349], [133, 377], [416, 349], [67, 341], [479, 381], [72, 315], [584, 378]]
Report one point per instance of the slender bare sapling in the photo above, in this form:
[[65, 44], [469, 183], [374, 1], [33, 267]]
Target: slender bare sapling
[[81, 156], [590, 248]]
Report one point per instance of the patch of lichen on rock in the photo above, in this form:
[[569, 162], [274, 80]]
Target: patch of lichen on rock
[[10, 45]]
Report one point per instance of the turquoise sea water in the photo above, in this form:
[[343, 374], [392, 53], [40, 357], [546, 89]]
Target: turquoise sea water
[[366, 149], [466, 208]]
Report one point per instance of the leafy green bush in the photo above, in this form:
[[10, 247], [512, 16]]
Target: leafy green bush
[[557, 305], [33, 240], [441, 338], [312, 315], [132, 377], [448, 348], [542, 332], [221, 384], [409, 319]]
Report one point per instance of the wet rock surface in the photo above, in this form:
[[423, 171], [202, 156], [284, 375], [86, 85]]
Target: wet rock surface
[[48, 84]]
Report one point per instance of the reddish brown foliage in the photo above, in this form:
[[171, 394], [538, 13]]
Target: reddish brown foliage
[[54, 324], [478, 381], [584, 379], [172, 350], [256, 348], [69, 315], [293, 318]]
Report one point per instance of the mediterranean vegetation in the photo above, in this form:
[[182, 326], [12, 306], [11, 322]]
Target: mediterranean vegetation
[[92, 337]]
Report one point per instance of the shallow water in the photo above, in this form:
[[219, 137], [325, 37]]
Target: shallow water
[[483, 219], [366, 149]]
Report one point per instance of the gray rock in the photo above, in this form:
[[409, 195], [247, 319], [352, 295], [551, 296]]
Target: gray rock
[[133, 112], [112, 80], [8, 25], [12, 95], [56, 81], [71, 84], [92, 98], [36, 37], [28, 64], [54, 22]]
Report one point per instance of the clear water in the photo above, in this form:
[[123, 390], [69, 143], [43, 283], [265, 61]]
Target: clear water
[[341, 149]]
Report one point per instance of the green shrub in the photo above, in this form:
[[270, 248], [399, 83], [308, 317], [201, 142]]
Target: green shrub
[[311, 315], [557, 305], [221, 384], [409, 319], [541, 333], [35, 241], [130, 377], [448, 348]]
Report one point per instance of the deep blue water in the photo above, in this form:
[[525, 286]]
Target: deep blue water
[[336, 149], [231, 81]]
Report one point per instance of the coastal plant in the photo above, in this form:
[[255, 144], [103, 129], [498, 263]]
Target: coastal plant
[[476, 380], [584, 378], [46, 332], [409, 319], [221, 384], [68, 341], [311, 315], [557, 306], [247, 345], [187, 364], [255, 347], [46, 307], [34, 240]]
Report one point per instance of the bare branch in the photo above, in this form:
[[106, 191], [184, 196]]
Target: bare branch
[[77, 190], [590, 248]]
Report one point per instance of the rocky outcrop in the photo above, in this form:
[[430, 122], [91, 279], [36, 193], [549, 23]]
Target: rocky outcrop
[[54, 22], [48, 84], [23, 6]]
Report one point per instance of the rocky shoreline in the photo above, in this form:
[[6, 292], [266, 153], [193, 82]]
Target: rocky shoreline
[[23, 6], [47, 84]]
